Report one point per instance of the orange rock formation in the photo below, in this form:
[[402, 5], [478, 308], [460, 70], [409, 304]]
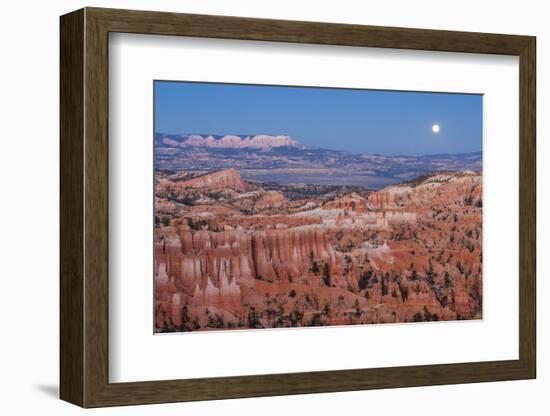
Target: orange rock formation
[[407, 253]]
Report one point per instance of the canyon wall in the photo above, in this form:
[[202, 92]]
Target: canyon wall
[[407, 253]]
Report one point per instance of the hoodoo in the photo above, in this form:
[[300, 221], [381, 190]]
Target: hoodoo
[[233, 254]]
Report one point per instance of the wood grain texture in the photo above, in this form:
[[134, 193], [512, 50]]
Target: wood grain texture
[[527, 208], [84, 207], [96, 219], [71, 217], [162, 23]]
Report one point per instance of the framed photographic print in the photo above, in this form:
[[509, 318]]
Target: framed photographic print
[[255, 207]]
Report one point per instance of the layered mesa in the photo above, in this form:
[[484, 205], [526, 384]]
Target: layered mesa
[[234, 254]]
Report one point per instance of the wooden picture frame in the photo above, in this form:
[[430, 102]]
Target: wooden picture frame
[[84, 207]]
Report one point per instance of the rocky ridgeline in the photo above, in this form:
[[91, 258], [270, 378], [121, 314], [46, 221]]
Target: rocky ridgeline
[[270, 200], [260, 141], [453, 189], [215, 181], [281, 159]]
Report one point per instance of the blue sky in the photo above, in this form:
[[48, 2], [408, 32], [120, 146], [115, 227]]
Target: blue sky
[[359, 121]]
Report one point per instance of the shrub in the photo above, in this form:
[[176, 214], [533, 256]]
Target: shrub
[[357, 308], [404, 293], [384, 287], [364, 280], [315, 267], [326, 274], [197, 224], [253, 319]]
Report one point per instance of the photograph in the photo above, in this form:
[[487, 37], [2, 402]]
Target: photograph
[[282, 206]]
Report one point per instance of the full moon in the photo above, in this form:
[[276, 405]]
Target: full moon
[[435, 128]]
